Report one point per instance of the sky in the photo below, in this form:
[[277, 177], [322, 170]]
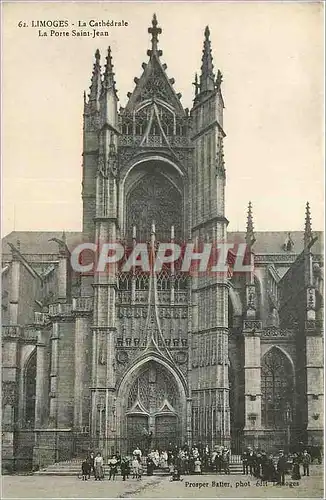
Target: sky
[[271, 57]]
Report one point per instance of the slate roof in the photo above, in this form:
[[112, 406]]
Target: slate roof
[[267, 242], [271, 242], [37, 242]]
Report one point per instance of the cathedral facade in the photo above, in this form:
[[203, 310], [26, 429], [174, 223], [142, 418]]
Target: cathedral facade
[[113, 360]]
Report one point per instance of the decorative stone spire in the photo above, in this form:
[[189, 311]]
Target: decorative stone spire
[[95, 87], [308, 236], [250, 235], [207, 78], [154, 31], [108, 77]]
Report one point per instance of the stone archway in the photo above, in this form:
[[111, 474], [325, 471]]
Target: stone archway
[[153, 190], [152, 407]]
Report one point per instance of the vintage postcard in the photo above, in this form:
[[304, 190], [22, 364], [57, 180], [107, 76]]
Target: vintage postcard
[[162, 250]]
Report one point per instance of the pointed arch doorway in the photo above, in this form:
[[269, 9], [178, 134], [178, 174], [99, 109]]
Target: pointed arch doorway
[[153, 409]]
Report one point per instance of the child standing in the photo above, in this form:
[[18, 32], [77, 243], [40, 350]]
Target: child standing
[[197, 466], [135, 466]]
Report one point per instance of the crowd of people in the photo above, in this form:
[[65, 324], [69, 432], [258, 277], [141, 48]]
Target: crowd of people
[[94, 464], [266, 467], [199, 459]]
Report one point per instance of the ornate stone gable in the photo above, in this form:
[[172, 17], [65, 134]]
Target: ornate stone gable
[[154, 83]]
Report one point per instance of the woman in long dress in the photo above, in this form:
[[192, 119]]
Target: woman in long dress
[[164, 460], [98, 463], [296, 467]]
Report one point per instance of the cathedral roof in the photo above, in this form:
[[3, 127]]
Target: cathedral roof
[[272, 242], [267, 242], [37, 242]]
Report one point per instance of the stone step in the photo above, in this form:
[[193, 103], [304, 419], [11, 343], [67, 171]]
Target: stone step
[[73, 468]]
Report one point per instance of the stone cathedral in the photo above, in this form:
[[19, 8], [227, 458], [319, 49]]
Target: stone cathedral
[[109, 361]]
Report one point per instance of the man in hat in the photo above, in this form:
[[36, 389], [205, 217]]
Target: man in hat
[[281, 468], [306, 460]]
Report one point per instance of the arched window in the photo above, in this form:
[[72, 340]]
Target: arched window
[[277, 389], [30, 390], [154, 198]]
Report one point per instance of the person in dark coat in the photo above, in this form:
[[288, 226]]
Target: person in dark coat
[[226, 461], [113, 468], [257, 465], [245, 464], [296, 467], [125, 468], [91, 461], [251, 458], [150, 466], [175, 476], [281, 468], [85, 470], [264, 466], [306, 460], [218, 462], [272, 475]]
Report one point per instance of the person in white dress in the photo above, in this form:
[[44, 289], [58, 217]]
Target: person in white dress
[[98, 465], [137, 453]]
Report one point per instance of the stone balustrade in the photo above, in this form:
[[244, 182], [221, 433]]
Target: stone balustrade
[[60, 310], [13, 331], [164, 297], [41, 318], [82, 304], [27, 332]]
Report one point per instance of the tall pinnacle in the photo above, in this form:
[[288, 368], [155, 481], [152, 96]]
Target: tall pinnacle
[[154, 31], [95, 87], [250, 235], [108, 77], [207, 77], [307, 228]]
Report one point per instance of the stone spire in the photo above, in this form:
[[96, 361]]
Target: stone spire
[[207, 77], [154, 31], [95, 87], [108, 77], [308, 236], [250, 235]]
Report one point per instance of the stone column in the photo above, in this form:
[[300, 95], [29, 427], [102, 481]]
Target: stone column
[[314, 372], [62, 277], [54, 340], [41, 380], [81, 369], [314, 350], [252, 367]]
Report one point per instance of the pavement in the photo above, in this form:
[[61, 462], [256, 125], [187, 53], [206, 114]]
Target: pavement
[[195, 486]]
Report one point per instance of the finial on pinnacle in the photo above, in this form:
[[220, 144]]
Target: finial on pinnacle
[[250, 236], [95, 87], [308, 236], [155, 31], [109, 64], [207, 77], [108, 77]]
